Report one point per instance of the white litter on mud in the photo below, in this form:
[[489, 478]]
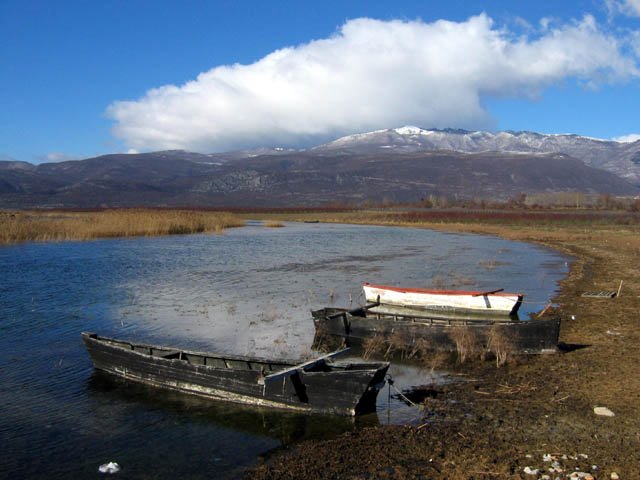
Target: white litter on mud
[[111, 467]]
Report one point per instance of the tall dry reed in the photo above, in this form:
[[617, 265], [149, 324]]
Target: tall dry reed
[[466, 342], [16, 227], [500, 344]]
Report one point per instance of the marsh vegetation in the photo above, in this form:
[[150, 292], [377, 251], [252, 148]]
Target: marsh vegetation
[[43, 226]]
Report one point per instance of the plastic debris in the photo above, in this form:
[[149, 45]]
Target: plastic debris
[[111, 467], [603, 411], [581, 475], [556, 467], [615, 476], [530, 471]]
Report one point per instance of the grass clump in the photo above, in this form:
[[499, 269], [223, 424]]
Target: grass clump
[[273, 224], [466, 342], [500, 344]]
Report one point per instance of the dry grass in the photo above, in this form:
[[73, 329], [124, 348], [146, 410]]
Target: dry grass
[[373, 345], [466, 342], [500, 345], [419, 348], [30, 226], [273, 224]]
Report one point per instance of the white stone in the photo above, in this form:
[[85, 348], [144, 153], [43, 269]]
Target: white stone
[[603, 411]]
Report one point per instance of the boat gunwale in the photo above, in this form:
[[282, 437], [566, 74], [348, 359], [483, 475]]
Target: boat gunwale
[[117, 343], [337, 367], [322, 315]]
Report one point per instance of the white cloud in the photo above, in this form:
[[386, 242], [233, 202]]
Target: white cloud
[[371, 74], [632, 137], [625, 7], [57, 157], [634, 40]]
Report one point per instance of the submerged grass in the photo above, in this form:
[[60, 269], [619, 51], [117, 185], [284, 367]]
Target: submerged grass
[[40, 226]]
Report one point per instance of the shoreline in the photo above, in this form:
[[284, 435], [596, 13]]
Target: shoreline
[[531, 410], [534, 414]]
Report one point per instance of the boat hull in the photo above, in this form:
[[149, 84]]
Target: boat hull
[[524, 336], [326, 387], [491, 303]]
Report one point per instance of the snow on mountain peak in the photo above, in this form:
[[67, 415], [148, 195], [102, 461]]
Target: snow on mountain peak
[[411, 130]]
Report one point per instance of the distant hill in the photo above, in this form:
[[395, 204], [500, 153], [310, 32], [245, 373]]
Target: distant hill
[[400, 165]]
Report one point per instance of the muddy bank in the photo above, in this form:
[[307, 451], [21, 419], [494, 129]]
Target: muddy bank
[[535, 415]]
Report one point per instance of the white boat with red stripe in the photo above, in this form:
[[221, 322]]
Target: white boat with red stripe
[[482, 302]]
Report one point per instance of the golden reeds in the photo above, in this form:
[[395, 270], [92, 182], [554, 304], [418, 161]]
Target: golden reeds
[[38, 226], [500, 344], [466, 342], [273, 224], [373, 345]]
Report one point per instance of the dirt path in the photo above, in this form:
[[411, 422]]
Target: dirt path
[[535, 413]]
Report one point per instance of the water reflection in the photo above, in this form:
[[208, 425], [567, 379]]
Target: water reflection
[[286, 427]]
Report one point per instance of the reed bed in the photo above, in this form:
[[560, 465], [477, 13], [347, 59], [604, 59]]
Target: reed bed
[[37, 226], [457, 219], [273, 224]]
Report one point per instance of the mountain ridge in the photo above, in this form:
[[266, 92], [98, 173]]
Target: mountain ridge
[[395, 164], [620, 158]]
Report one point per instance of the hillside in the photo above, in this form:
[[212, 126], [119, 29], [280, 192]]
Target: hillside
[[287, 178]]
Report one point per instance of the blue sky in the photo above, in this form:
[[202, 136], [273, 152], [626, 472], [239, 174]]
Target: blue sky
[[84, 78]]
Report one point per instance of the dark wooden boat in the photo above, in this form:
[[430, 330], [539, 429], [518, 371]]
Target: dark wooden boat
[[321, 385], [524, 336]]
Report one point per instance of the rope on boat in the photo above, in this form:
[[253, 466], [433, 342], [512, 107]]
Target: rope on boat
[[391, 385]]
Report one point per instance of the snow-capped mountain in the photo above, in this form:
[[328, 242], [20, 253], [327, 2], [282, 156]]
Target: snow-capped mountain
[[401, 165], [620, 158]]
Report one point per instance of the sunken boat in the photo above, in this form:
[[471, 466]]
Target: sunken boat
[[322, 385], [440, 331]]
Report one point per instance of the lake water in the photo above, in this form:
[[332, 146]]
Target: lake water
[[248, 291]]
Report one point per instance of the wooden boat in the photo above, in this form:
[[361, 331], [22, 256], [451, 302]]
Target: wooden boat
[[321, 385], [439, 331], [495, 302]]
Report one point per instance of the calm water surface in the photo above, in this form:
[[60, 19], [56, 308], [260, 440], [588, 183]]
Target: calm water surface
[[248, 291]]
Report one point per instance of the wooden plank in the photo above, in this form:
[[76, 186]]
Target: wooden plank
[[605, 294], [287, 372], [355, 310], [490, 292]]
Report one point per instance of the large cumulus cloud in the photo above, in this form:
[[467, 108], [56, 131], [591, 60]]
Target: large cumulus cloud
[[370, 74]]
